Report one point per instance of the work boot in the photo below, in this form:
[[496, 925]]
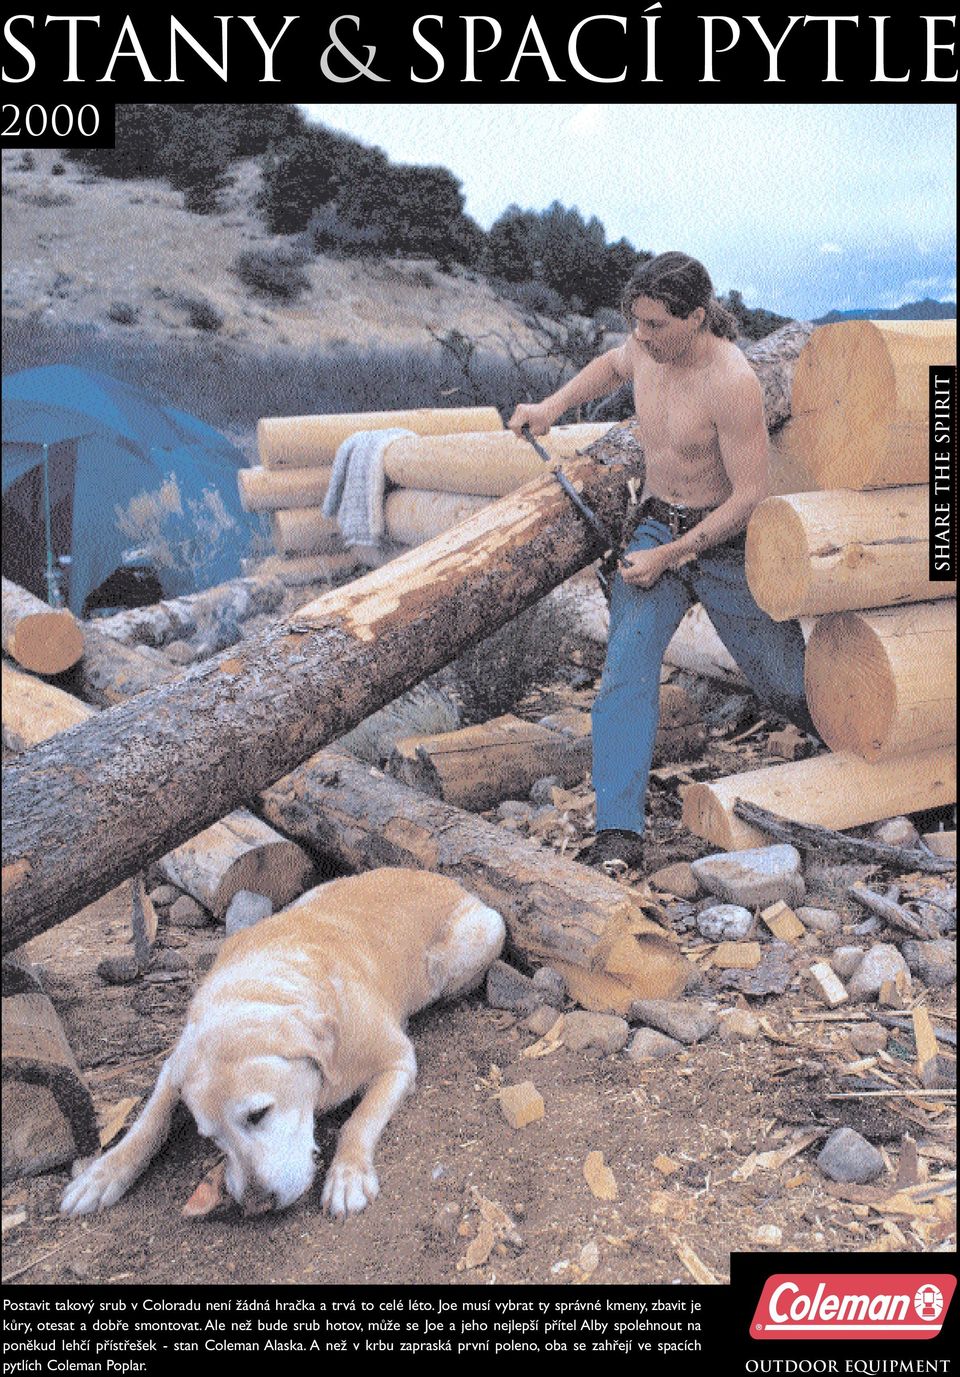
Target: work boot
[[614, 850]]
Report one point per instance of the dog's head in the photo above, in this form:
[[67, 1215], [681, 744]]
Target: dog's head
[[252, 1088]]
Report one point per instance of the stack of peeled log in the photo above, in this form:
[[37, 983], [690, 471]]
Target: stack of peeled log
[[853, 553], [290, 483], [455, 462]]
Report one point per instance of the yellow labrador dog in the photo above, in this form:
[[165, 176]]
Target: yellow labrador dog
[[296, 1015]]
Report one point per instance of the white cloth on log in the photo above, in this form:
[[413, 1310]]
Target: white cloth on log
[[357, 482]]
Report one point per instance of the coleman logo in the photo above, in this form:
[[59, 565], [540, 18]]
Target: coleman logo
[[855, 1306]]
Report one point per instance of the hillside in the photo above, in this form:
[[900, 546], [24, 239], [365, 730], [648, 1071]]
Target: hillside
[[124, 262], [927, 309]]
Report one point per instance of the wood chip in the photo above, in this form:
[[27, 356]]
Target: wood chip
[[698, 1270], [783, 922], [908, 1168], [925, 1039], [504, 1227], [481, 1247], [737, 955], [829, 987], [116, 1118], [210, 1193], [788, 743], [551, 1040], [599, 1177], [521, 1104]]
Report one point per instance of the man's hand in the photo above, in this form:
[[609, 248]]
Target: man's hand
[[537, 415], [642, 568]]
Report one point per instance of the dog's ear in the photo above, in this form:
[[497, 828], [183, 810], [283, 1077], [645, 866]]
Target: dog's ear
[[312, 1033]]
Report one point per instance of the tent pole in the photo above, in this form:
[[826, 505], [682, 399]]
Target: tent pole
[[54, 597]]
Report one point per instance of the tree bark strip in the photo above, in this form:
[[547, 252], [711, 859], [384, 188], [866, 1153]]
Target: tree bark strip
[[807, 836], [83, 813], [357, 818]]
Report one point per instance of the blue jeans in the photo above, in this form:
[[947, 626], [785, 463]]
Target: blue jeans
[[642, 621]]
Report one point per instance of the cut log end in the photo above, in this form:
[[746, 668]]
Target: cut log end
[[47, 642], [779, 585], [849, 688], [883, 684], [859, 401]]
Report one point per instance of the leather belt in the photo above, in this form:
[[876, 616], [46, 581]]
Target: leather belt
[[677, 519]]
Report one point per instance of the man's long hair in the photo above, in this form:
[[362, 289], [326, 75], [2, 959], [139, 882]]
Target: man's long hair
[[681, 284]]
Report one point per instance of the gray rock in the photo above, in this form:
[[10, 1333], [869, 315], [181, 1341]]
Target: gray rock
[[935, 963], [868, 1038], [119, 970], [172, 960], [205, 953], [754, 878], [245, 909], [726, 923], [682, 1019], [552, 986], [739, 1024], [541, 792], [848, 1157], [845, 960], [515, 809], [164, 895], [822, 920], [896, 832], [187, 913], [508, 988], [882, 962], [649, 1045], [541, 1020], [604, 1033]]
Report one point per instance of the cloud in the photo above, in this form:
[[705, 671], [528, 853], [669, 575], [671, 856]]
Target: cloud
[[830, 248], [589, 120]]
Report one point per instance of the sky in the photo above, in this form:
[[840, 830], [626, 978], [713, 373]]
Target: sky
[[803, 208]]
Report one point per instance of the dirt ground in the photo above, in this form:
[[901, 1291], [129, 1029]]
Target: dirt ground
[[677, 1135]]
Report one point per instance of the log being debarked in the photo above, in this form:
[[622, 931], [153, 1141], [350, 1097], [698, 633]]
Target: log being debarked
[[86, 811]]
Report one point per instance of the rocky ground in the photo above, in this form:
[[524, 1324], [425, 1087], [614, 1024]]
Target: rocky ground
[[547, 1143]]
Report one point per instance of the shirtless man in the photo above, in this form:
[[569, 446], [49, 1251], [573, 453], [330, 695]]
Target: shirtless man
[[699, 417]]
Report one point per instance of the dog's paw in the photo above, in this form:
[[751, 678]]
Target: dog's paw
[[100, 1184], [348, 1188]]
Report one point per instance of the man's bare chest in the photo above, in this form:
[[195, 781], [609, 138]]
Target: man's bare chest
[[673, 417]]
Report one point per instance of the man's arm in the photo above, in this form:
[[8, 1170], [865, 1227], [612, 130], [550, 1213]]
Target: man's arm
[[601, 376]]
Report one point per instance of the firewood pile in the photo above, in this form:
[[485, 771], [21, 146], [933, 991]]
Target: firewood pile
[[852, 553]]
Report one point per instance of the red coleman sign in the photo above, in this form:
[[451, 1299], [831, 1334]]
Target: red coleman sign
[[852, 1306]]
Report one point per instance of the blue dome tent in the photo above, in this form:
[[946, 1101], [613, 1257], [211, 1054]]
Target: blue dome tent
[[98, 476]]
